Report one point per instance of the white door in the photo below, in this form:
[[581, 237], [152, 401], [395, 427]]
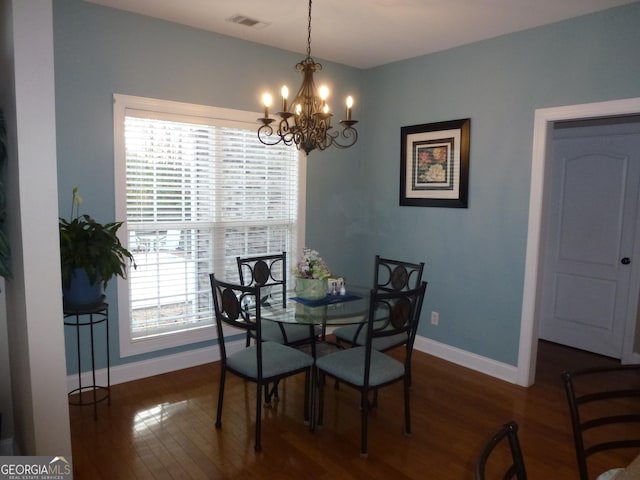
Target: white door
[[593, 202]]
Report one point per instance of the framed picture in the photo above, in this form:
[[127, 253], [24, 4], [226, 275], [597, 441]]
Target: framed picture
[[434, 164]]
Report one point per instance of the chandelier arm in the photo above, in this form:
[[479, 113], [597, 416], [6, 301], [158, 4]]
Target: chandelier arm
[[265, 132], [283, 134], [348, 133]]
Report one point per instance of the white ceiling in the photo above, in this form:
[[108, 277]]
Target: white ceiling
[[366, 33]]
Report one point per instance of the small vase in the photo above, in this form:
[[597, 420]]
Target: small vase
[[311, 288]]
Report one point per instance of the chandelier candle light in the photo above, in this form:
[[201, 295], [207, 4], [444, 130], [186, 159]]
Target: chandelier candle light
[[307, 124]]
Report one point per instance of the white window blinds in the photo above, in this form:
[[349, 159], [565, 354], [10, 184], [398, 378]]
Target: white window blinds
[[199, 192]]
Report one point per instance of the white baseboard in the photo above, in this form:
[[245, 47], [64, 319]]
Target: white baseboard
[[156, 366], [466, 359], [146, 368]]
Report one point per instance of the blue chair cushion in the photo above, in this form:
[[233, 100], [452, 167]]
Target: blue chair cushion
[[612, 474], [348, 365], [277, 359], [295, 333], [385, 343], [347, 333]]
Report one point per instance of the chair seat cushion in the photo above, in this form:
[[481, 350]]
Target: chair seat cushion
[[348, 365], [295, 333], [386, 343], [277, 360], [614, 474], [347, 333]]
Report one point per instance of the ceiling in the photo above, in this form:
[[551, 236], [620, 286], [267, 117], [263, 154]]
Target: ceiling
[[365, 33]]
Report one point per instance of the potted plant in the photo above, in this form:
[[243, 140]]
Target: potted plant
[[311, 274], [90, 255]]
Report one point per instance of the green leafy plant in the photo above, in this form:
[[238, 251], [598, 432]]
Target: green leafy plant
[[92, 246]]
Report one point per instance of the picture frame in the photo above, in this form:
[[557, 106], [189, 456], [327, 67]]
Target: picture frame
[[434, 164]]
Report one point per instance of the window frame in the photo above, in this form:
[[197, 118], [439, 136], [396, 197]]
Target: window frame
[[229, 117]]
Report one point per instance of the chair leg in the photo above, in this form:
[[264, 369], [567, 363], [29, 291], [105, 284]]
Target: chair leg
[[407, 411], [271, 393], [267, 397], [258, 445], [320, 385], [308, 397], [220, 398], [365, 424], [374, 400]]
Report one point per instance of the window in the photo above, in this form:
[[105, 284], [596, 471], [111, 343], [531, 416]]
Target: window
[[197, 189]]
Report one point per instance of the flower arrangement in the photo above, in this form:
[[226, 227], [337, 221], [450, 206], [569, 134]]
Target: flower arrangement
[[311, 265]]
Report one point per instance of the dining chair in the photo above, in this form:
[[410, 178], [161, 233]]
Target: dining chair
[[367, 369], [269, 272], [265, 362], [501, 454], [389, 276], [604, 406]]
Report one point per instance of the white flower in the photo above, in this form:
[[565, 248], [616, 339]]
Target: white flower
[[311, 265]]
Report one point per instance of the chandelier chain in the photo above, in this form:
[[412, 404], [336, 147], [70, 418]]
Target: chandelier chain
[[309, 33]]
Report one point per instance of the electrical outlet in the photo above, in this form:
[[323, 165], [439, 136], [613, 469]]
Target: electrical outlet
[[435, 318]]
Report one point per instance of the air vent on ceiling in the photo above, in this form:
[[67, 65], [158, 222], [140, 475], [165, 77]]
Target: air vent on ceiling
[[246, 21]]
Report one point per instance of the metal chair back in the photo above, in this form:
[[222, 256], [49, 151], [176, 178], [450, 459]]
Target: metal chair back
[[511, 465]]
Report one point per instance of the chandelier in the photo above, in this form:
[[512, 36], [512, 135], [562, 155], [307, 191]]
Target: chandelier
[[306, 122]]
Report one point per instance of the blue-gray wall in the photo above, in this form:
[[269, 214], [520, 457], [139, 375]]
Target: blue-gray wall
[[101, 51], [475, 257]]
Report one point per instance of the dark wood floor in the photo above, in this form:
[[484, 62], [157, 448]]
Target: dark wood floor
[[163, 427]]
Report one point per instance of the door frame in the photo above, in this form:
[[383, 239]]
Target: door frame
[[538, 204]]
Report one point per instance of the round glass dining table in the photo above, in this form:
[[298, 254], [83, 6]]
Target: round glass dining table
[[333, 310]]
